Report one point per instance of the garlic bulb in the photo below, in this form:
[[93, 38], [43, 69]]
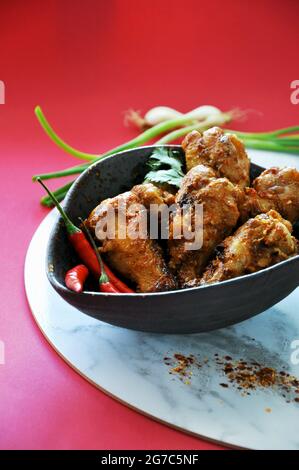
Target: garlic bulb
[[164, 113], [203, 112], [160, 114]]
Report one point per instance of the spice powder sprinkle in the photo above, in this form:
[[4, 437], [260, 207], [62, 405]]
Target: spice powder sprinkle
[[241, 375]]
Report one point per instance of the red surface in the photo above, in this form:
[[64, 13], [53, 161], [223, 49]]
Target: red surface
[[86, 63]]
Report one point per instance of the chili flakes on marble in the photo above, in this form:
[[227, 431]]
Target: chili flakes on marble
[[181, 366], [242, 375]]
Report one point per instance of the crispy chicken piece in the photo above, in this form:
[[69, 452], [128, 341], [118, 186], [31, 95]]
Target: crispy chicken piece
[[275, 188], [220, 215], [259, 243], [140, 260], [223, 152], [153, 194]]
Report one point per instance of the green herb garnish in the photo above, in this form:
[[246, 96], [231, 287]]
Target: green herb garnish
[[166, 166]]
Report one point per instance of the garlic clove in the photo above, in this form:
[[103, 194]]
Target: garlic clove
[[161, 114], [203, 112], [165, 113]]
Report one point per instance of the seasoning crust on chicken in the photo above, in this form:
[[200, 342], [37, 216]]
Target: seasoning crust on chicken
[[140, 260], [218, 180], [275, 188], [261, 242], [223, 152], [149, 193], [220, 215]]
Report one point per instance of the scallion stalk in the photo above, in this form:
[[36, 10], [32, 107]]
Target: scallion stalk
[[216, 120], [75, 170], [280, 140], [58, 141], [142, 138]]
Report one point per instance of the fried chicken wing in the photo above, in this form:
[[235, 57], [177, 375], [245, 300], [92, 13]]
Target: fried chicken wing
[[275, 188], [219, 198], [223, 152], [153, 194], [138, 259], [260, 242]]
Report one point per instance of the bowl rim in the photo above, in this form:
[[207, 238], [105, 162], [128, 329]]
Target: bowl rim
[[56, 284], [235, 280]]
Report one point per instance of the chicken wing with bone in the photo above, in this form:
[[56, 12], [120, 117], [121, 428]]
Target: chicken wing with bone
[[219, 199], [261, 242], [275, 188], [153, 194], [223, 152], [138, 259]]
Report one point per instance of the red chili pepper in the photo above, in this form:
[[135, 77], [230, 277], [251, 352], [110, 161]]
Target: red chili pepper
[[101, 266], [105, 284], [83, 248], [84, 251], [76, 277], [120, 285]]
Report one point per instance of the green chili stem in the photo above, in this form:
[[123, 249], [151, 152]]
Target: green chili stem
[[59, 194], [46, 201], [71, 228], [103, 277]]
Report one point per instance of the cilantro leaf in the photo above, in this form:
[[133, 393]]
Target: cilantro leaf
[[166, 166]]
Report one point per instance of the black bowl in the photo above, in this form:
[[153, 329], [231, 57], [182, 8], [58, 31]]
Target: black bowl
[[192, 310]]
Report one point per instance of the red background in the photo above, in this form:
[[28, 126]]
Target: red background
[[86, 63]]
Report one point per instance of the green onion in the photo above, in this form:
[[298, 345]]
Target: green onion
[[272, 141], [58, 141], [270, 146], [216, 120], [149, 134], [142, 138], [75, 170], [280, 140]]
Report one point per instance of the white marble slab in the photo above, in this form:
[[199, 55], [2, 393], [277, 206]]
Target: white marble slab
[[129, 365]]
